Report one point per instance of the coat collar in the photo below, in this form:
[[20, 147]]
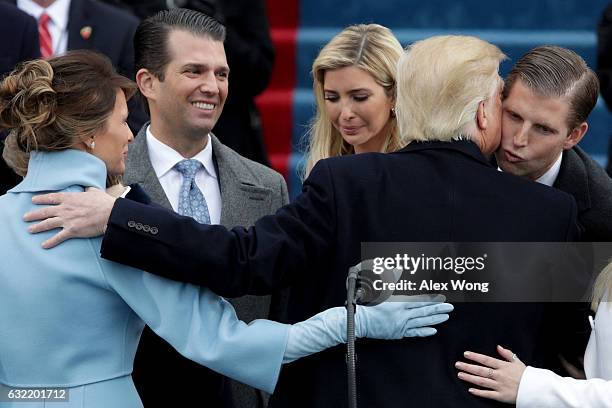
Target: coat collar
[[466, 147], [573, 178], [239, 186], [138, 169], [53, 171]]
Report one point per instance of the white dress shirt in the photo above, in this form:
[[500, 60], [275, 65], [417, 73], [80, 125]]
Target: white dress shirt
[[551, 174], [58, 23], [164, 158]]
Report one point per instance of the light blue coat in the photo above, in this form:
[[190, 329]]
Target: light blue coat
[[71, 319]]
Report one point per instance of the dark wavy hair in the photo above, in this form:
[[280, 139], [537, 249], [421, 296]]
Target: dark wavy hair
[[51, 105]]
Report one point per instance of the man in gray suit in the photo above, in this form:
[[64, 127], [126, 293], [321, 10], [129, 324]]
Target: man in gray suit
[[547, 99], [185, 84]]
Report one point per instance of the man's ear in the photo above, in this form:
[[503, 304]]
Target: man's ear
[[481, 116], [575, 136], [146, 82]]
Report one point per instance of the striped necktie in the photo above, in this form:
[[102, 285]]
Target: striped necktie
[[44, 36]]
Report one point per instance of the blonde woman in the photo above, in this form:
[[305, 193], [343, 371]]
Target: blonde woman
[[354, 87], [510, 381]]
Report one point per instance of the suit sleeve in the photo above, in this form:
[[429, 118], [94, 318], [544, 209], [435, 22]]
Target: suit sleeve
[[543, 388], [276, 251], [202, 326]]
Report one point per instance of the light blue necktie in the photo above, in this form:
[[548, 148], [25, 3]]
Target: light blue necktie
[[191, 200]]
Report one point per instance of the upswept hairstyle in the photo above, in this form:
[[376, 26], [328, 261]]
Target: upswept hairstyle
[[441, 81], [557, 72], [52, 105], [370, 47]]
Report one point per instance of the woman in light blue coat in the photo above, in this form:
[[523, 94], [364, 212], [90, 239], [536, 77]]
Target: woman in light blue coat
[[73, 320]]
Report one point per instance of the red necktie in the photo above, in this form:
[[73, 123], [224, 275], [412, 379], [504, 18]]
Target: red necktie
[[44, 36]]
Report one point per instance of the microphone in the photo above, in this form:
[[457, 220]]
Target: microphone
[[360, 289], [367, 279]]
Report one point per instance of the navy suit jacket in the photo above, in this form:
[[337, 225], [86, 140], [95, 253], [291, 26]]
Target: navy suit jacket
[[112, 32], [591, 186], [22, 31], [431, 191]]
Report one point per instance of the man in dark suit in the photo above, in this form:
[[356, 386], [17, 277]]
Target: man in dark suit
[[439, 188], [92, 25], [21, 29], [548, 97]]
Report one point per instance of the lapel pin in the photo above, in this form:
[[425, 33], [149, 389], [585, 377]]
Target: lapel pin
[[85, 32]]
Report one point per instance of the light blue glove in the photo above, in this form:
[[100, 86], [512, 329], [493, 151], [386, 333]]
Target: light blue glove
[[389, 320]]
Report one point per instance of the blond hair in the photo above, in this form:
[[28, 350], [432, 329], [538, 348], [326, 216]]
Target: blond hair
[[441, 81], [370, 47], [603, 284], [52, 105]]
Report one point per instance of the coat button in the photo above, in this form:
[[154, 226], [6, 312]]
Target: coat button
[[154, 230], [131, 224], [139, 226], [146, 228]]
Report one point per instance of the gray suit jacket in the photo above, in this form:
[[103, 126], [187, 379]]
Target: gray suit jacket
[[591, 187], [249, 191]]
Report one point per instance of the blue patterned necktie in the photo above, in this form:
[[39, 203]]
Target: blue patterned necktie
[[191, 200]]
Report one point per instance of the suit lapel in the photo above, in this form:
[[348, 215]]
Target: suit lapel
[[243, 199], [78, 19], [138, 169], [573, 179]]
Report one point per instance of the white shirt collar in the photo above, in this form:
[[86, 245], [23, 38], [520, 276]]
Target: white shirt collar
[[58, 11], [551, 174], [164, 158]]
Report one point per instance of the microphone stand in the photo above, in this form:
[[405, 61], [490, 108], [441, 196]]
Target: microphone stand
[[360, 290], [352, 296]]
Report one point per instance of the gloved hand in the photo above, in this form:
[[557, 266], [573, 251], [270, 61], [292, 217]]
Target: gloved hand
[[389, 320], [395, 320]]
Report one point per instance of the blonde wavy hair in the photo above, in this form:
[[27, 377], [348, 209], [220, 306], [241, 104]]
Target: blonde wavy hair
[[603, 285], [370, 47], [53, 105], [441, 81]]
